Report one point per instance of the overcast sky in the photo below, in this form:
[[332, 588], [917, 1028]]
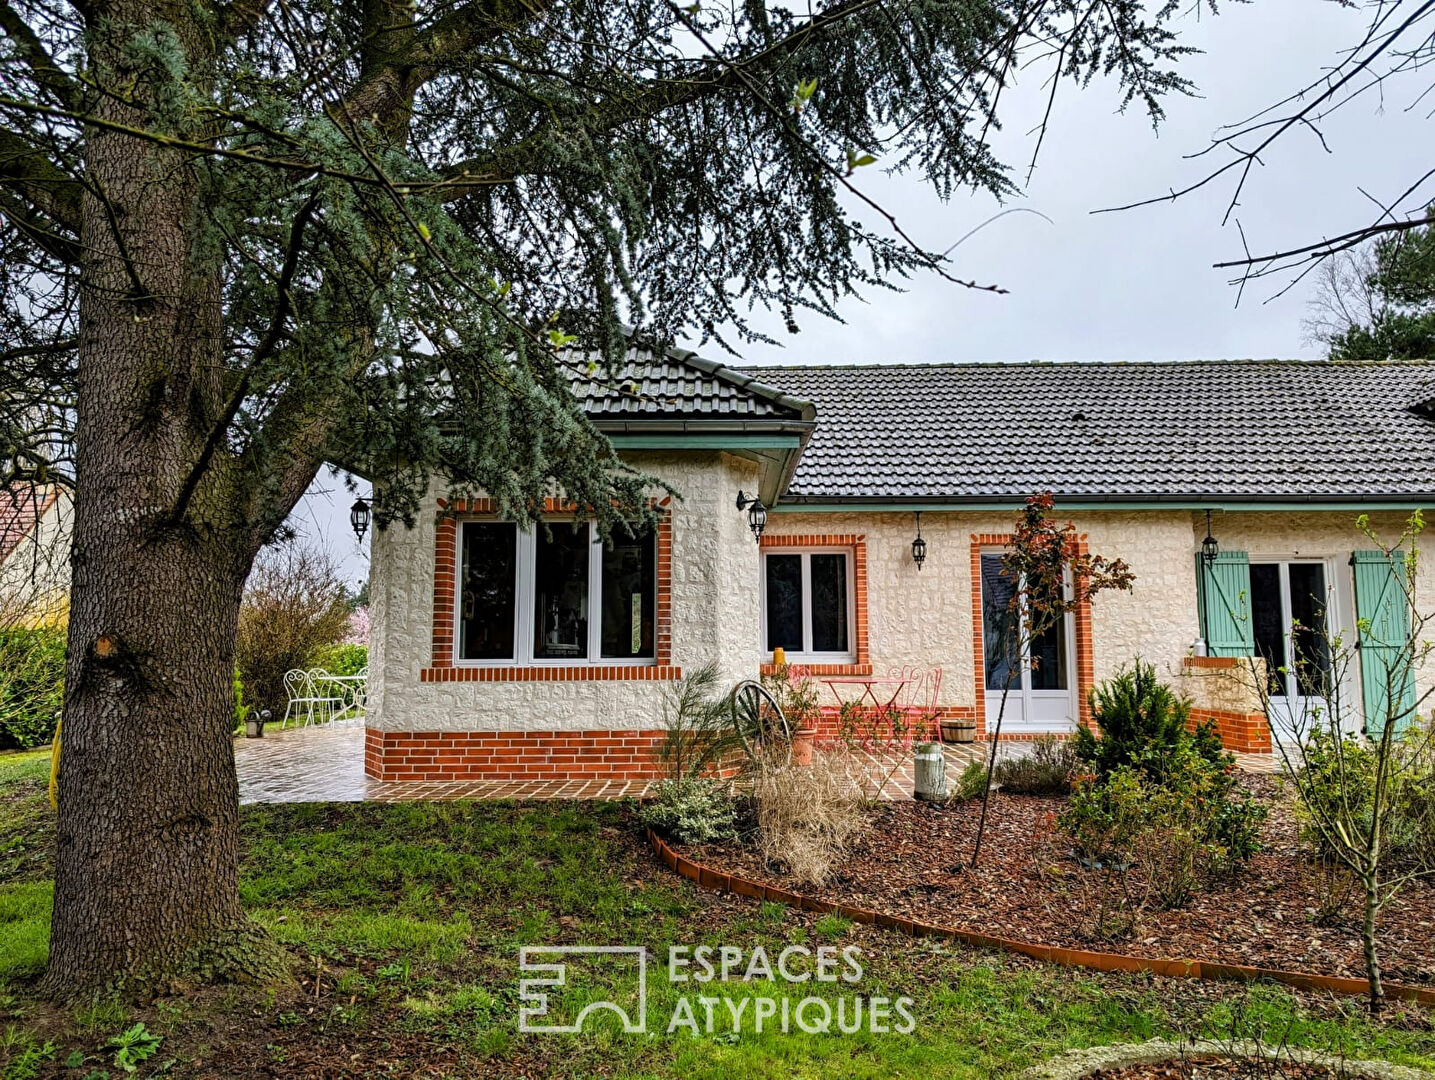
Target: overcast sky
[[1138, 284], [1126, 286]]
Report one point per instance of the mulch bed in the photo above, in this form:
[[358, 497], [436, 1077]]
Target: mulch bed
[[1218, 1069], [913, 859]]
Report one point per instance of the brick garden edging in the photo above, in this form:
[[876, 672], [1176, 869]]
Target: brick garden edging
[[707, 878]]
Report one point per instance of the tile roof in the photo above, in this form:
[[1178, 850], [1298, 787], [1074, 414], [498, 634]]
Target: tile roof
[[1247, 430], [677, 384], [22, 506]]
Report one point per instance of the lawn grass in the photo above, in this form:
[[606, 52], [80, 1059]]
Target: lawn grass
[[25, 890], [404, 923]]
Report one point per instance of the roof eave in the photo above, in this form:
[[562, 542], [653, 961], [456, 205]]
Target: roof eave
[[777, 462], [1165, 501]]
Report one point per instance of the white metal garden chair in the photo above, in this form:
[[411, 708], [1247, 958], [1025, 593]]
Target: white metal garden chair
[[317, 696]]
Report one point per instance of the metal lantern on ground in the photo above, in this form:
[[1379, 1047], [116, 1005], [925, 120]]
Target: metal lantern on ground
[[359, 517], [756, 513], [919, 546]]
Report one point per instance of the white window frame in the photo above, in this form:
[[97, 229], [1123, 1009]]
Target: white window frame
[[806, 656], [525, 597]]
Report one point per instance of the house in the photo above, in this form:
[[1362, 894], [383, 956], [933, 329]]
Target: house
[[503, 654], [35, 522]]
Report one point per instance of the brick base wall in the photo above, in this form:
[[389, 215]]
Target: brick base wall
[[512, 755], [1242, 732], [520, 755]]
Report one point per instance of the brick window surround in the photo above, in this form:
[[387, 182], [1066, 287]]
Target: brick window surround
[[1081, 618], [857, 544], [442, 668]]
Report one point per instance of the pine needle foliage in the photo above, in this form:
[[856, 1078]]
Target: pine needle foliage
[[421, 219]]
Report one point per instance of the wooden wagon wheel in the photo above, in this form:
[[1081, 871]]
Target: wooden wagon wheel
[[760, 724]]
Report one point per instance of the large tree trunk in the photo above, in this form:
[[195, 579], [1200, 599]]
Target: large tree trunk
[[147, 850], [146, 870]]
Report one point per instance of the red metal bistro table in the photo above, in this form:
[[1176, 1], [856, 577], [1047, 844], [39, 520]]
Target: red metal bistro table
[[873, 688]]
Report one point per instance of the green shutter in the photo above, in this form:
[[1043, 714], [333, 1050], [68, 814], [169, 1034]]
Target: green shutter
[[1224, 589], [1384, 633]]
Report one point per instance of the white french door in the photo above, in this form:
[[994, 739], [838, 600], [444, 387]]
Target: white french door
[[1290, 621], [1041, 673]]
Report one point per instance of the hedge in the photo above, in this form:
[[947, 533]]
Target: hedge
[[32, 685]]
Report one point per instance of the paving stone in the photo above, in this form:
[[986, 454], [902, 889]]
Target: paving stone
[[326, 764]]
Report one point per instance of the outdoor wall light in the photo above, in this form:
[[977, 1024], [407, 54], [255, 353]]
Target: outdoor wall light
[[756, 513], [359, 518], [919, 546], [1209, 548]]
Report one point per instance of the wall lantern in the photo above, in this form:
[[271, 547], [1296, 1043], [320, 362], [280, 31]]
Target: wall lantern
[[919, 546], [359, 518], [756, 513], [1209, 548]]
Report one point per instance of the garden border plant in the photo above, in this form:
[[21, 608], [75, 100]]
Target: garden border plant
[[1357, 799], [1158, 796], [1214, 971]]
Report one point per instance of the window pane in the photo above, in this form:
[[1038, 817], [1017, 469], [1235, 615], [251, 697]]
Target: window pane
[[784, 602], [629, 597], [1267, 622], [1048, 652], [999, 625], [829, 603], [1048, 658], [487, 586], [1308, 642], [560, 602]]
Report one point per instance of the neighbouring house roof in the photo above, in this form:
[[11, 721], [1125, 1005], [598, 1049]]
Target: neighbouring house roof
[[1240, 431], [22, 507]]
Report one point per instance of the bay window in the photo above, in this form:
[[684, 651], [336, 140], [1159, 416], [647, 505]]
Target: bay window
[[555, 594]]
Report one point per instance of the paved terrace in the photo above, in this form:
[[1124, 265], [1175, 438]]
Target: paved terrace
[[326, 764]]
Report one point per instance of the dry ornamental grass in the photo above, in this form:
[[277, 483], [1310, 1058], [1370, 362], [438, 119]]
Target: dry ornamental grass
[[807, 815]]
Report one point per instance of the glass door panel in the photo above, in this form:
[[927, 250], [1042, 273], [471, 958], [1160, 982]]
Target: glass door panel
[[1310, 648], [1268, 622], [999, 625]]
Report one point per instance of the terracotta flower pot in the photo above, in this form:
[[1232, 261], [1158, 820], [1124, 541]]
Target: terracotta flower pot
[[803, 740]]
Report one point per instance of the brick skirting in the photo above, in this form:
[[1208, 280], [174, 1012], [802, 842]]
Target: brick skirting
[[1242, 733], [512, 755]]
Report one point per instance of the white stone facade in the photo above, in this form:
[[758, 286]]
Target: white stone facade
[[922, 618], [714, 618], [925, 618]]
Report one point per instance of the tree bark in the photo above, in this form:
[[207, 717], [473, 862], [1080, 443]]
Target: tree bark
[[146, 859], [1368, 940]]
